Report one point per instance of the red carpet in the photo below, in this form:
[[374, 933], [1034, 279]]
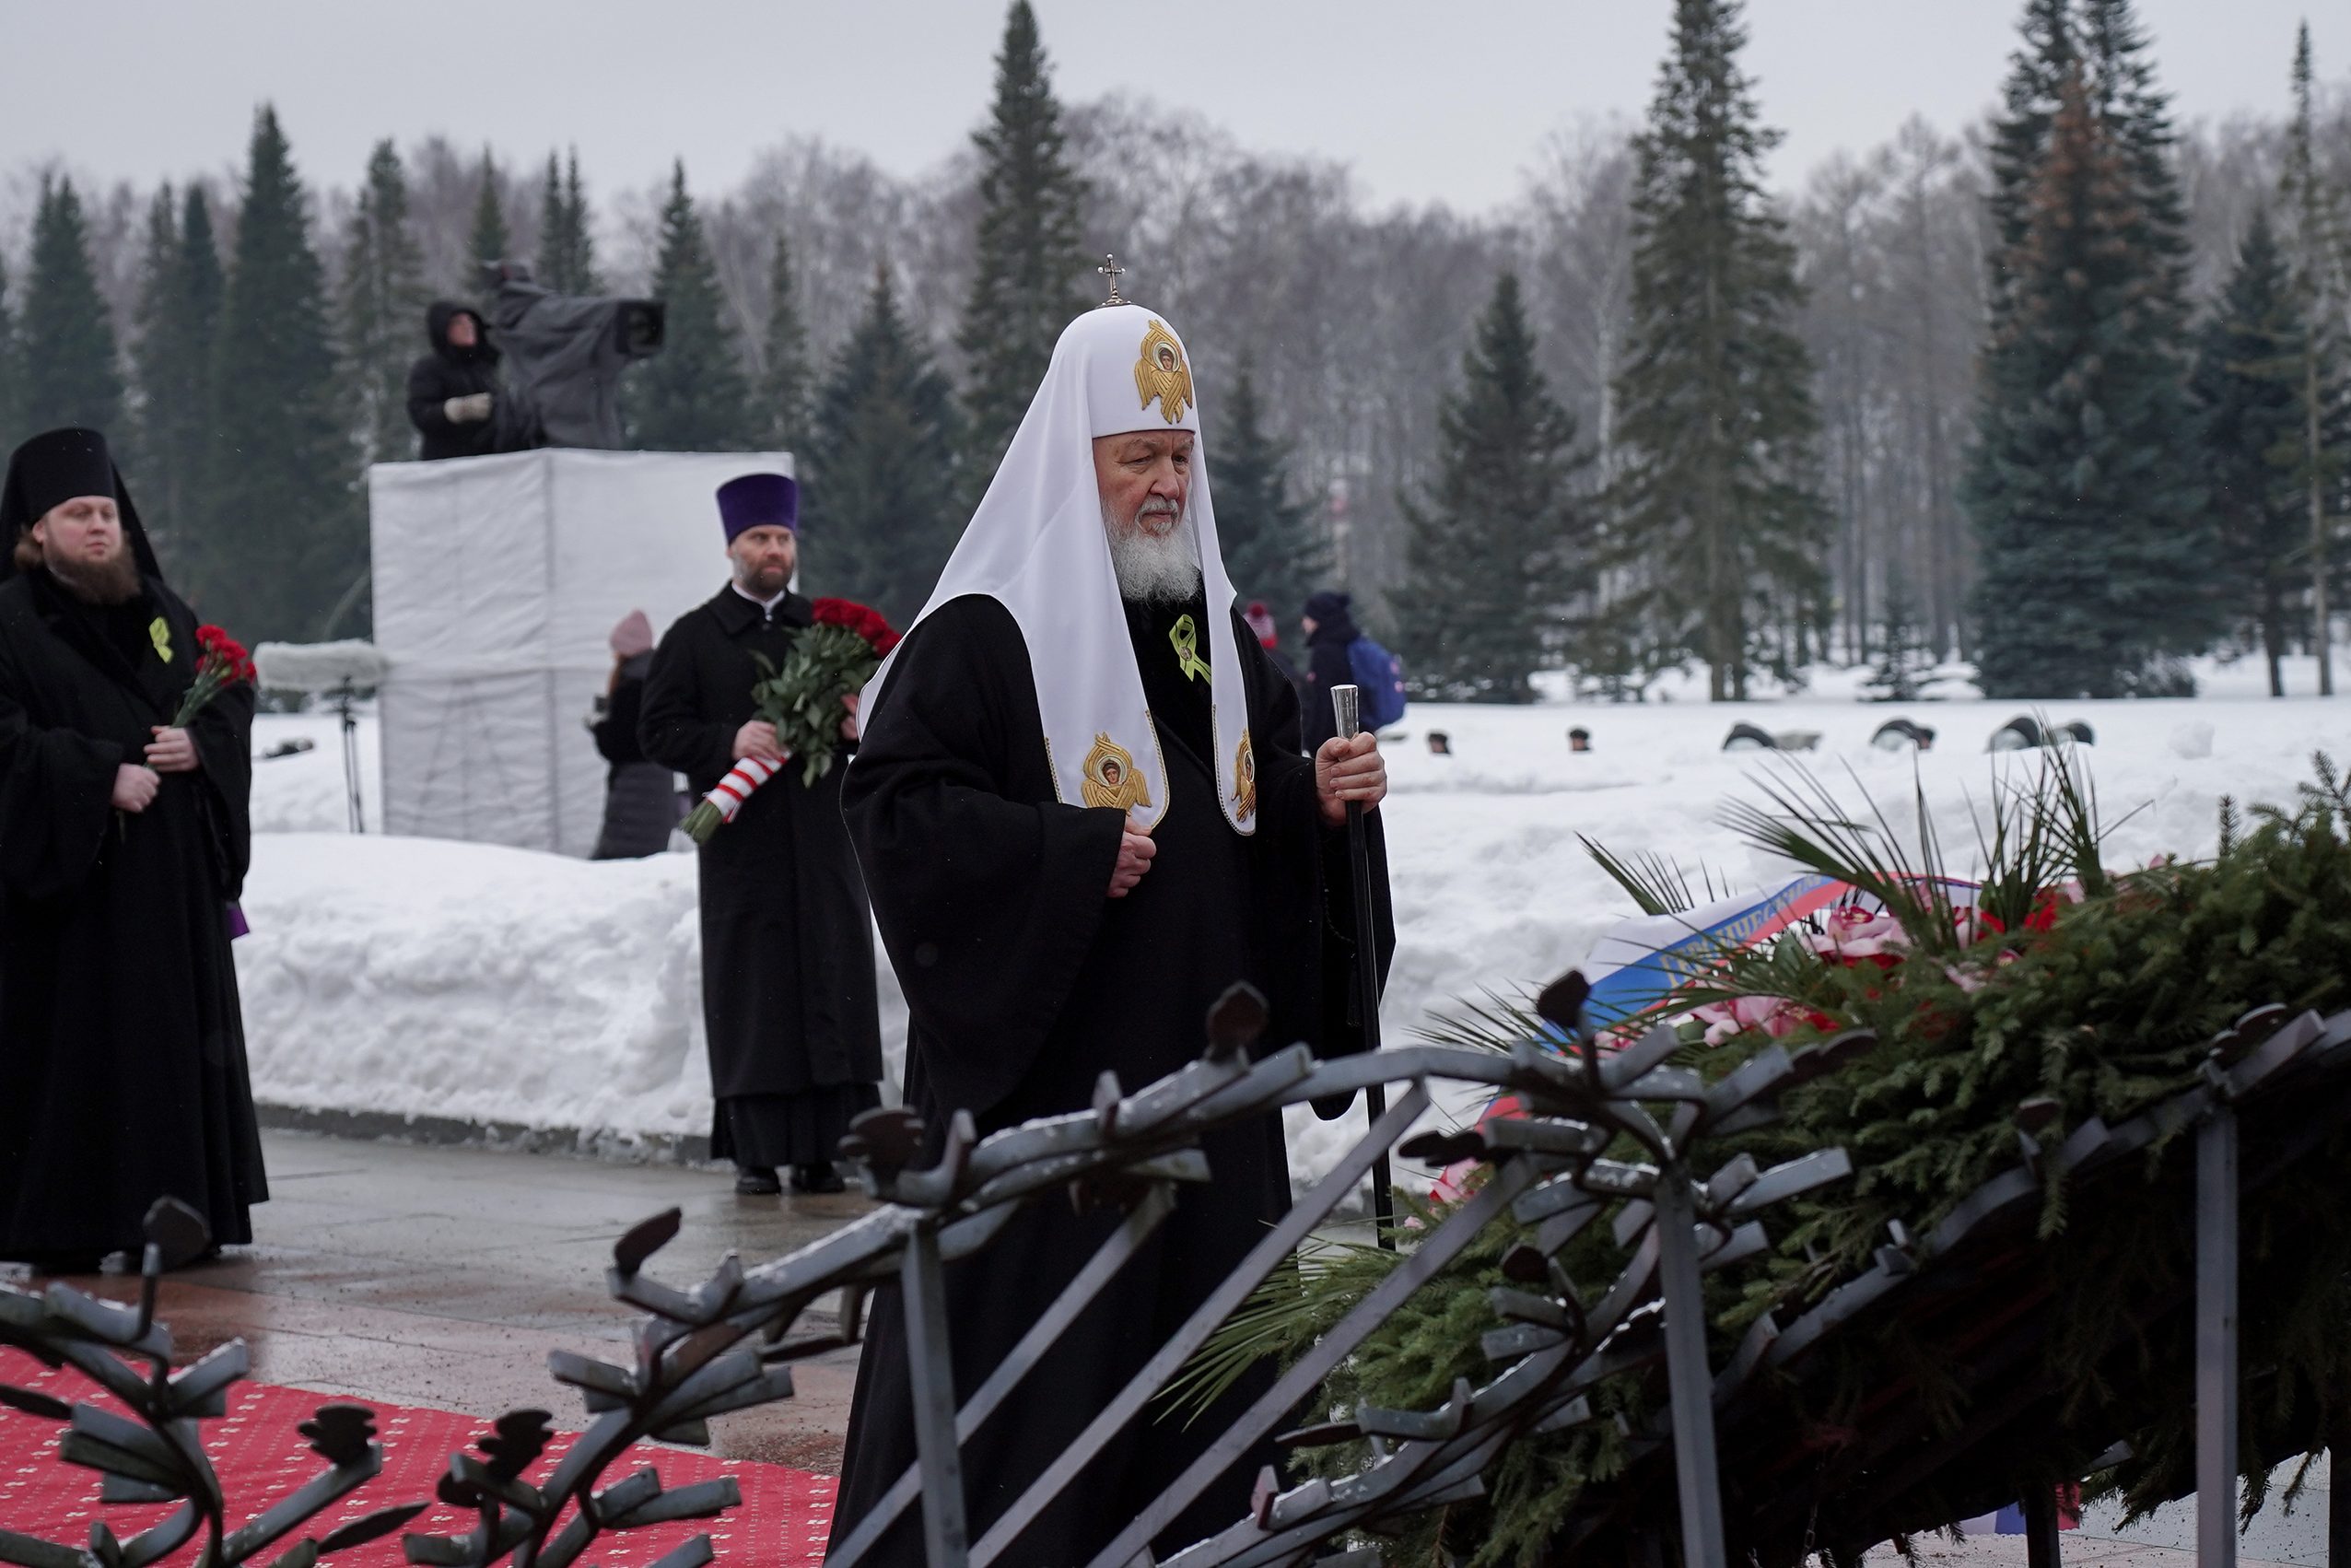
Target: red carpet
[[260, 1456]]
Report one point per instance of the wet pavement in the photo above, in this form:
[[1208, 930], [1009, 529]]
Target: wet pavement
[[442, 1277]]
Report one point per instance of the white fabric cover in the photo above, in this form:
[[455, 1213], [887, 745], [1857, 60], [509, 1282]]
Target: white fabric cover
[[1036, 547], [498, 581]]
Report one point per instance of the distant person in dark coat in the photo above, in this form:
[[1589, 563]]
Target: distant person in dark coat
[[1329, 626], [453, 391], [789, 994], [640, 797]]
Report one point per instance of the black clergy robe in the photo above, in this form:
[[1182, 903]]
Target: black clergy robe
[[1025, 980], [789, 997], [123, 1075]]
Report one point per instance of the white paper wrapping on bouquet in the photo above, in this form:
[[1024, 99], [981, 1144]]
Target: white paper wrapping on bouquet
[[496, 581]]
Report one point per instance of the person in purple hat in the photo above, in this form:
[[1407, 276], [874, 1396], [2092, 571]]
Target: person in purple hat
[[789, 997]]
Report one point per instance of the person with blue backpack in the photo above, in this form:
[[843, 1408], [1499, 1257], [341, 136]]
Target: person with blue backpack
[[1338, 654]]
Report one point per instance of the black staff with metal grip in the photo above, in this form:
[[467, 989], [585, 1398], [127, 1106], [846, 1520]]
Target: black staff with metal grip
[[1344, 707]]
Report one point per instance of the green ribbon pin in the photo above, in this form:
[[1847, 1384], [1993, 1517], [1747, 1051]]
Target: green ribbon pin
[[159, 633], [1186, 638]]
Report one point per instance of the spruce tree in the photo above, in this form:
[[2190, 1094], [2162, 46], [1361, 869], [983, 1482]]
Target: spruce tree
[[1717, 518], [1490, 545], [784, 384], [2095, 544], [1272, 549], [1030, 255], [489, 240], [1904, 661], [66, 339], [880, 487], [693, 396], [284, 553], [2318, 241], [2246, 386], [383, 309], [2137, 117], [179, 312], [159, 265], [2020, 134], [567, 247], [12, 428]]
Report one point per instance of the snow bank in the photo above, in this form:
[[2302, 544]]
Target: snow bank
[[447, 979]]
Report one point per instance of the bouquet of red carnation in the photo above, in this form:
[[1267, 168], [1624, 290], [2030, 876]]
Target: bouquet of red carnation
[[803, 700], [221, 663]]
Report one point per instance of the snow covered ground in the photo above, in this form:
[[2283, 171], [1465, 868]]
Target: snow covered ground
[[435, 978]]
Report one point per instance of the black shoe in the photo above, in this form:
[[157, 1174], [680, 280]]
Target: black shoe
[[817, 1178], [61, 1263], [757, 1181]]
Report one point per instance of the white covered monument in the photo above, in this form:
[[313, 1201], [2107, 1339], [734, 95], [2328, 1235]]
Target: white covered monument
[[496, 581]]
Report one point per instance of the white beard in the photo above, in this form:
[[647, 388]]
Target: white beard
[[1162, 569]]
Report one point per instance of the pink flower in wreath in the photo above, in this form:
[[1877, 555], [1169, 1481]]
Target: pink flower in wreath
[[1853, 936]]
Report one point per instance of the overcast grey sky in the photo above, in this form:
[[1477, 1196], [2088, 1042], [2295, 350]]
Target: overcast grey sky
[[1431, 101]]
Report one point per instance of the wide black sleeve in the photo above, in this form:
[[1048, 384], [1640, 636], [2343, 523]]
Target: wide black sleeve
[[670, 726], [986, 891], [56, 796], [1316, 902]]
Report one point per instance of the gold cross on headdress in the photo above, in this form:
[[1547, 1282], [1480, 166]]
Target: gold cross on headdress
[[1114, 271]]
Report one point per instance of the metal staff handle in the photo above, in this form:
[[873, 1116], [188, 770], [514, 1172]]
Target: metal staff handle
[[1345, 707]]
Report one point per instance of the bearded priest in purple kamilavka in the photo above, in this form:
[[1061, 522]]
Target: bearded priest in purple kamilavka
[[1083, 813]]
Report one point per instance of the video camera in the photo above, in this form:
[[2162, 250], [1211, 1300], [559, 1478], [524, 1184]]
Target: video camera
[[564, 354]]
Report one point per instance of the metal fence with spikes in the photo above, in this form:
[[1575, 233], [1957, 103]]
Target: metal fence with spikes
[[1676, 1213]]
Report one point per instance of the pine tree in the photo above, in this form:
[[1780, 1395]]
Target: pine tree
[[1272, 550], [784, 383], [1717, 516], [2095, 546], [567, 245], [693, 396], [284, 553], [66, 339], [383, 308], [879, 477], [1490, 545], [2246, 386], [1029, 249], [2319, 238], [489, 240]]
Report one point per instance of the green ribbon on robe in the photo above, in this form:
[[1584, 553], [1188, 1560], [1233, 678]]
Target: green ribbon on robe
[[1186, 638]]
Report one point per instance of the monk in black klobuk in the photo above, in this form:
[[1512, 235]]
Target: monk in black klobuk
[[123, 841], [788, 996], [1083, 813]]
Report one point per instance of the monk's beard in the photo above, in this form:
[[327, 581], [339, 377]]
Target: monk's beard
[[1162, 570], [114, 581]]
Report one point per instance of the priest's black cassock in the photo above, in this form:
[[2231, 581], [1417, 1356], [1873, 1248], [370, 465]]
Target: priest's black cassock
[[123, 1074], [1024, 982], [789, 997]]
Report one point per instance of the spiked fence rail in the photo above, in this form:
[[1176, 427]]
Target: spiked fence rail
[[726, 1344]]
